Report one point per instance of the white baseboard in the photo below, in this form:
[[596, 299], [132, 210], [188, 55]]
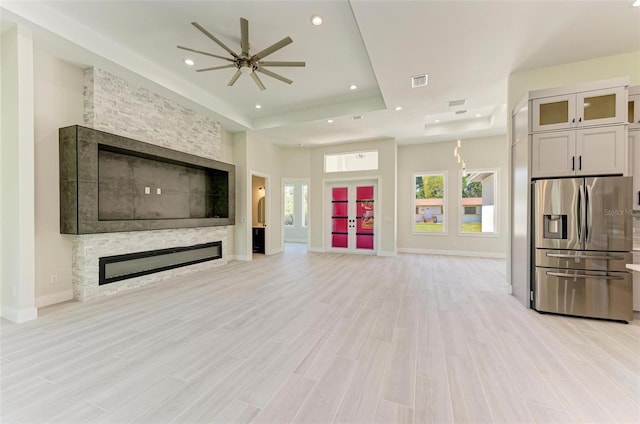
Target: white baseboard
[[508, 288], [452, 253], [18, 315], [315, 249], [242, 257], [54, 298], [636, 308], [275, 251], [385, 253], [295, 241]]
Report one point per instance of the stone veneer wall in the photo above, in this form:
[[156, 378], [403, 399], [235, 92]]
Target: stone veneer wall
[[114, 105]]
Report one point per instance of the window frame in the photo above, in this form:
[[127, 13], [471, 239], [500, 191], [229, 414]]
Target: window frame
[[445, 203], [496, 196]]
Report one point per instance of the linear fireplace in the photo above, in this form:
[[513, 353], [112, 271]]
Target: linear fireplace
[[121, 267]]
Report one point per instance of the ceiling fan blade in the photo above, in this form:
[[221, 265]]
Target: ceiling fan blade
[[234, 78], [208, 54], [273, 48], [258, 82], [244, 36], [281, 63], [215, 68], [215, 40], [274, 75]]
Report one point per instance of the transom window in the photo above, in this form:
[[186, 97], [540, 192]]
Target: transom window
[[356, 161]]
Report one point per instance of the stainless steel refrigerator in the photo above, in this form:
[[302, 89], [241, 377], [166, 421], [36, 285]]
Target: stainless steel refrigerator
[[583, 239]]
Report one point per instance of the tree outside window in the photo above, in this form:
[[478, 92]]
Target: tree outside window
[[429, 203]]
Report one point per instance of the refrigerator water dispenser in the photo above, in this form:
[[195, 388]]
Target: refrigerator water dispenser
[[555, 227]]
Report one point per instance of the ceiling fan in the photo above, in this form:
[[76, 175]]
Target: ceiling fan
[[244, 62]]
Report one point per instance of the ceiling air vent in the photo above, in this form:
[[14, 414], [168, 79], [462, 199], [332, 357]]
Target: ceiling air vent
[[460, 112], [454, 103], [419, 81]]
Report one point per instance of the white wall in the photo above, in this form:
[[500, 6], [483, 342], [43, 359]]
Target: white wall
[[386, 190], [17, 262], [58, 103], [241, 232], [264, 159], [226, 155], [480, 153]]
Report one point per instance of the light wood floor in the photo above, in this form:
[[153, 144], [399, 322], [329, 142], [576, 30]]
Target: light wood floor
[[320, 338]]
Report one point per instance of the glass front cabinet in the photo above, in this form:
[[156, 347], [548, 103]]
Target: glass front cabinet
[[633, 109], [575, 110]]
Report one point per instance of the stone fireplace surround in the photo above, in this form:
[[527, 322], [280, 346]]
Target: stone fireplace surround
[[114, 105]]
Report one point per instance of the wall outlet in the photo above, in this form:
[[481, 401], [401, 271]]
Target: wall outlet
[[158, 190], [147, 190], [53, 279]]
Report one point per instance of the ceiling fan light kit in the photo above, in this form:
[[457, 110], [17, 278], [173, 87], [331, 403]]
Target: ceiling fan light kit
[[244, 62]]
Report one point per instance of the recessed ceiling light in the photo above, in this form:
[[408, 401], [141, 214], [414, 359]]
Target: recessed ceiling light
[[353, 87], [317, 20], [478, 115], [188, 62], [329, 121], [398, 108], [436, 121], [258, 106]]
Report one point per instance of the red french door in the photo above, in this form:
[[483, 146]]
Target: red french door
[[352, 216]]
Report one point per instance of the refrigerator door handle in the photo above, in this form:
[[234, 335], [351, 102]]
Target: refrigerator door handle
[[564, 255], [589, 215], [579, 209], [600, 277]]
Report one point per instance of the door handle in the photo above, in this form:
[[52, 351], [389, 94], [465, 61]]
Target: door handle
[[603, 277], [588, 214], [564, 255]]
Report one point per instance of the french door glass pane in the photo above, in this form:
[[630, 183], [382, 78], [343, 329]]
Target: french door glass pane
[[364, 218], [339, 217]]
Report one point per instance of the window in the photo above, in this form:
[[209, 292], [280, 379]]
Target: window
[[305, 205], [289, 208], [429, 203], [356, 161], [478, 202]]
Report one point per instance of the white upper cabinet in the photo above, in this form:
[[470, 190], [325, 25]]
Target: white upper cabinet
[[589, 151], [582, 109]]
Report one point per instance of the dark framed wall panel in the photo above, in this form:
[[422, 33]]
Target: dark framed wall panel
[[110, 183]]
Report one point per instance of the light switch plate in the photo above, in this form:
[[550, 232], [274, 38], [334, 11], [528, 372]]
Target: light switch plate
[[158, 190], [147, 190]]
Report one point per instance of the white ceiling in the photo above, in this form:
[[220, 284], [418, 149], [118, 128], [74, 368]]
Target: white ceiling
[[468, 48]]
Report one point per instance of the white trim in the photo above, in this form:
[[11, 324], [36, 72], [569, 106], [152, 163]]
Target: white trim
[[315, 249], [582, 86], [242, 257], [304, 241], [53, 298], [18, 315], [274, 251], [508, 288], [490, 255], [386, 253]]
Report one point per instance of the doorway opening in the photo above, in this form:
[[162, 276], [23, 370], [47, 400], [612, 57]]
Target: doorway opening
[[258, 214], [295, 224]]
